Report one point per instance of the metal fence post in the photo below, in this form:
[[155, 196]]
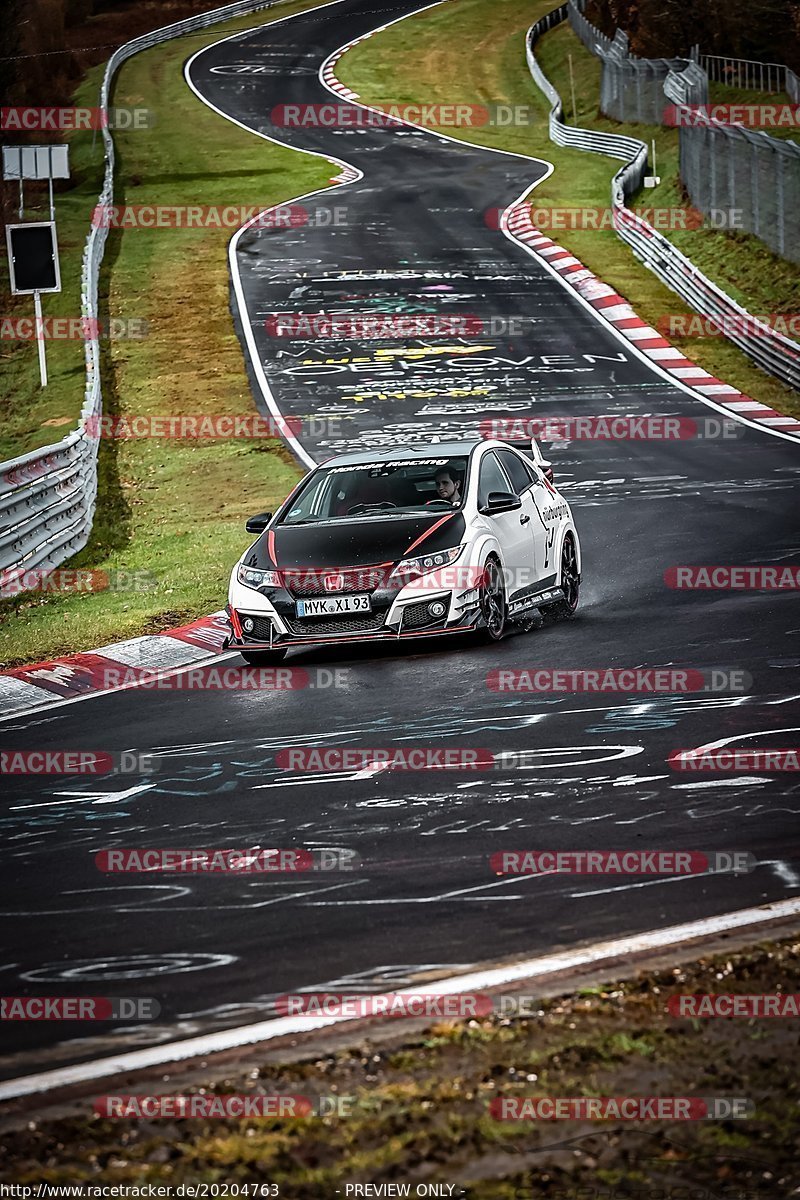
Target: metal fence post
[[779, 197], [755, 197]]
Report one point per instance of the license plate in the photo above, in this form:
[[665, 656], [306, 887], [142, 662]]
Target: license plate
[[333, 606]]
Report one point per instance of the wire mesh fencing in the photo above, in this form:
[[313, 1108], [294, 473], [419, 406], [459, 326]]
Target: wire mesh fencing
[[632, 89], [743, 179]]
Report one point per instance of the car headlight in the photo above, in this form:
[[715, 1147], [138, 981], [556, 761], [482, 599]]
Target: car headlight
[[252, 577], [413, 567]]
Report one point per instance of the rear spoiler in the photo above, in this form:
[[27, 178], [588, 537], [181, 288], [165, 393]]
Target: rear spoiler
[[533, 450]]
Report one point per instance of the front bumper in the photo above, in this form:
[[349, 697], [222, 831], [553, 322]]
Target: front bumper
[[266, 620]]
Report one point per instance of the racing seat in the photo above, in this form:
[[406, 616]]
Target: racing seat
[[366, 491]]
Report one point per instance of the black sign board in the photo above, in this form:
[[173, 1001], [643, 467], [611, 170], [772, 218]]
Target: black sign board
[[33, 258]]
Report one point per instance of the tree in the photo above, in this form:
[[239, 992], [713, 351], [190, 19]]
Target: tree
[[765, 30]]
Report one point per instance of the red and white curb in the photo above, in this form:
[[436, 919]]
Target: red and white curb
[[29, 688], [339, 88], [328, 74], [617, 311], [347, 175]]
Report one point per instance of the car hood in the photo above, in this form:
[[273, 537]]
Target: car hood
[[356, 543]]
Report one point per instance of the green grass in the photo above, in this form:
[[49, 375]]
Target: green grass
[[174, 508], [418, 1104], [469, 52], [723, 93], [35, 416]]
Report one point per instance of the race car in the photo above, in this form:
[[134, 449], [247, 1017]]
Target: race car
[[447, 538]]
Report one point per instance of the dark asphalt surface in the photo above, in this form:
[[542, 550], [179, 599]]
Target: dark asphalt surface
[[216, 950]]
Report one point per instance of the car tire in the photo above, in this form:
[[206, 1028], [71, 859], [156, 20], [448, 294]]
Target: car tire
[[493, 602], [569, 581], [262, 658]]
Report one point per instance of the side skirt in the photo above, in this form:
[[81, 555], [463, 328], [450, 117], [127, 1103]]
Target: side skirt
[[518, 608]]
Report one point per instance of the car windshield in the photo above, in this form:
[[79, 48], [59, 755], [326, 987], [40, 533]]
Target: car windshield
[[380, 489]]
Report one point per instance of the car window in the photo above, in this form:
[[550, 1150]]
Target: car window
[[490, 479], [392, 488], [516, 470]]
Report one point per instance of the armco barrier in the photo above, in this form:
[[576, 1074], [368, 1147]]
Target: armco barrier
[[724, 167], [774, 353], [630, 150], [47, 497]]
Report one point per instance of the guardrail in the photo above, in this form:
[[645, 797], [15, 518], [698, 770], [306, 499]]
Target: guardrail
[[723, 166], [48, 496], [776, 354], [689, 86], [633, 152], [630, 150]]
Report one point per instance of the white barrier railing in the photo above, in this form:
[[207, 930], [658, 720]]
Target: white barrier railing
[[749, 73], [770, 350], [633, 152], [48, 496]]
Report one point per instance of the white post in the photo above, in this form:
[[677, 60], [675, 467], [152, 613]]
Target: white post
[[50, 181], [572, 88], [37, 302], [655, 170]]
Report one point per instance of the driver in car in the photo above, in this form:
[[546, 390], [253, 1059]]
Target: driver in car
[[448, 486]]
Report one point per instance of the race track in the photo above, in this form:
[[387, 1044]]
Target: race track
[[216, 950]]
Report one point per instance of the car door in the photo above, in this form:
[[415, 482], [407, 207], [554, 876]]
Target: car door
[[525, 479], [512, 529], [549, 507]]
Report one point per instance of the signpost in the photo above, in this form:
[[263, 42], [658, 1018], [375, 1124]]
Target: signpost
[[33, 265]]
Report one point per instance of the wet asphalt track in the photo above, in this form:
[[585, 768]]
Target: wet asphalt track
[[216, 950]]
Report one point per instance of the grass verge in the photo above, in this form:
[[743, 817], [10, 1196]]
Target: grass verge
[[464, 51], [419, 1105], [175, 509]]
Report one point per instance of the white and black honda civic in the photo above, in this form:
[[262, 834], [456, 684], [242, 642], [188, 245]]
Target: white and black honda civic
[[452, 537]]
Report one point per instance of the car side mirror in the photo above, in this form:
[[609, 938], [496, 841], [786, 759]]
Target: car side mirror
[[547, 470], [500, 502], [258, 523]]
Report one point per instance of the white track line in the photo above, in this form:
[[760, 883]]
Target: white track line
[[45, 708], [263, 1031], [630, 345], [437, 135], [483, 980], [244, 315]]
